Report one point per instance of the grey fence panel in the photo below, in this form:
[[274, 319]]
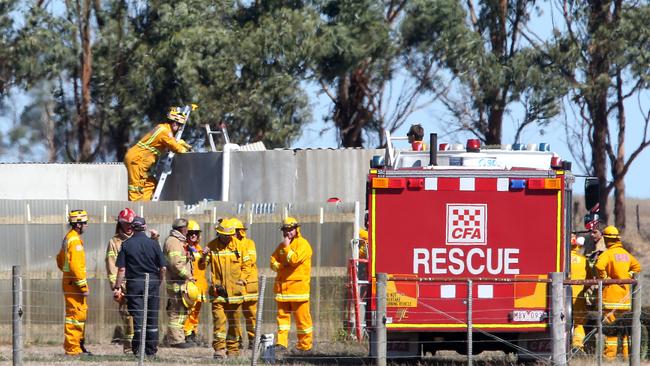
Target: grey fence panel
[[35, 243]]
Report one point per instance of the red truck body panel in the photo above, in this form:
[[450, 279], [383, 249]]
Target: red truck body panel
[[454, 227]]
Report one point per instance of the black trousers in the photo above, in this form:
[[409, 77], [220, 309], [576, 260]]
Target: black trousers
[[135, 304]]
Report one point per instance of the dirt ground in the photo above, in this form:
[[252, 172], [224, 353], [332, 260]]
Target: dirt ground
[[112, 355]]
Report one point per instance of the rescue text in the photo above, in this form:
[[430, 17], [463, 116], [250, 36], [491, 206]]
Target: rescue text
[[457, 261]]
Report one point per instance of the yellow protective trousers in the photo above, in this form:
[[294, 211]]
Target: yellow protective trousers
[[76, 310], [304, 327], [579, 314], [611, 340], [141, 183], [177, 313], [222, 313], [249, 310], [192, 322], [127, 322]]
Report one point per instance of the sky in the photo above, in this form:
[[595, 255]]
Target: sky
[[636, 185]]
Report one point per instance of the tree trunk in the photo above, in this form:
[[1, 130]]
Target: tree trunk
[[618, 165], [596, 95], [350, 111], [83, 127]]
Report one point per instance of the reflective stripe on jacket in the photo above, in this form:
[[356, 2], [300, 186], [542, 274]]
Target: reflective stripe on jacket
[[616, 263], [179, 262], [252, 286], [71, 259], [159, 140], [228, 264], [579, 268], [112, 250], [198, 272], [293, 266]]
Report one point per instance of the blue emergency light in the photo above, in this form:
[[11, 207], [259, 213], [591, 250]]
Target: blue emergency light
[[517, 184]]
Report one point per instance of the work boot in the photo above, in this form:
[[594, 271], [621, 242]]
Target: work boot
[[183, 345], [193, 339], [126, 346], [84, 351], [220, 354]]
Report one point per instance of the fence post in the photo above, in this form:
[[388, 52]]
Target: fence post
[[258, 323], [380, 324], [635, 351], [599, 340], [558, 335], [17, 314], [143, 333], [319, 273], [470, 358]]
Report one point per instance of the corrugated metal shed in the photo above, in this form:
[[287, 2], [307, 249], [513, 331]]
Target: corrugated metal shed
[[63, 181], [272, 176]]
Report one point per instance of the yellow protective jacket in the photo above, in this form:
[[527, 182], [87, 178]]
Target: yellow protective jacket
[[142, 156], [616, 263], [579, 270], [228, 264], [199, 271], [363, 244], [252, 285], [112, 250], [156, 142], [293, 266], [179, 261], [72, 261]]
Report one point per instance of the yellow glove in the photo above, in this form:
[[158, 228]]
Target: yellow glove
[[187, 146]]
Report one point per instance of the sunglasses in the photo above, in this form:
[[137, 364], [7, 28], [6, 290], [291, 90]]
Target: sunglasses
[[193, 233]]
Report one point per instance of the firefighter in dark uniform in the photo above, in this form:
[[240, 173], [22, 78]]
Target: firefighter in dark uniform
[[141, 255]]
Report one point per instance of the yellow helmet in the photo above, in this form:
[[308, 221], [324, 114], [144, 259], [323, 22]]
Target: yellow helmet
[[176, 114], [76, 216], [290, 223], [193, 226], [189, 293], [225, 227], [238, 224], [363, 234], [611, 232]]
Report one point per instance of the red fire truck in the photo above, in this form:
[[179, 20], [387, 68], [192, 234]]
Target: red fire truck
[[462, 212]]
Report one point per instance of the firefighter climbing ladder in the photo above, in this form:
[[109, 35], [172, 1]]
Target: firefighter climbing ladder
[[165, 166]]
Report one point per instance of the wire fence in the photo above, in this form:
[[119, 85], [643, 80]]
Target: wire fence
[[33, 232], [419, 317]]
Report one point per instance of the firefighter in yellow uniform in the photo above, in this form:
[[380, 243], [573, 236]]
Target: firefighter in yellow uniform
[[615, 263], [229, 266], [179, 270], [71, 259], [249, 306], [123, 231], [579, 271], [292, 262], [141, 158], [193, 243]]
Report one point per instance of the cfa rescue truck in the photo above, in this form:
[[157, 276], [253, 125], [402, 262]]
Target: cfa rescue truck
[[496, 216]]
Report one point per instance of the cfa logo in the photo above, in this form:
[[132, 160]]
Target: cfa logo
[[466, 224]]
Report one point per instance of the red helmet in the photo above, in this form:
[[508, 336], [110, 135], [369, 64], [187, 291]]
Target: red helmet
[[126, 215]]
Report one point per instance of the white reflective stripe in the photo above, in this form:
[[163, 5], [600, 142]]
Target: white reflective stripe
[[284, 327], [305, 331], [503, 184], [448, 291], [485, 291], [430, 184], [466, 184]]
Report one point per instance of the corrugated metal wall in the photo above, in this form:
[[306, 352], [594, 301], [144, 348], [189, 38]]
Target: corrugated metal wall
[[63, 181], [32, 230], [272, 176]]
